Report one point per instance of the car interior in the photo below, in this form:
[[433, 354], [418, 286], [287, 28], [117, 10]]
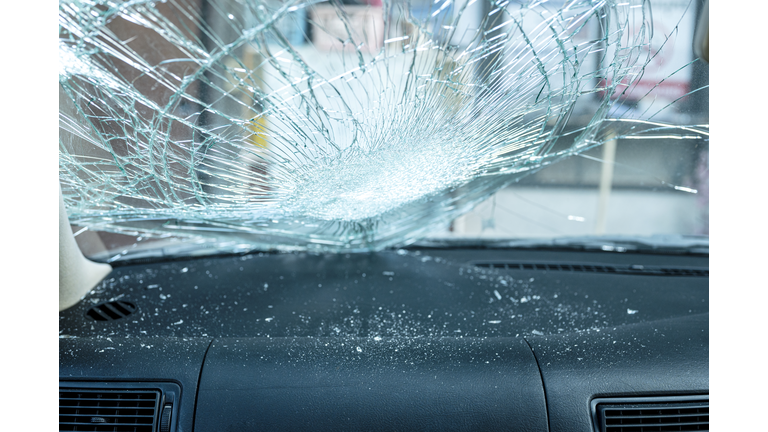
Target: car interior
[[218, 273]]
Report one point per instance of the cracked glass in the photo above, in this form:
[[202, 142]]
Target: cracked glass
[[206, 126]]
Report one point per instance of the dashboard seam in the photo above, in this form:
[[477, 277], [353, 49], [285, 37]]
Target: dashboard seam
[[199, 379], [543, 386]]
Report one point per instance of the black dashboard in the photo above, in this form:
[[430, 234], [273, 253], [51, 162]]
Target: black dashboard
[[401, 340]]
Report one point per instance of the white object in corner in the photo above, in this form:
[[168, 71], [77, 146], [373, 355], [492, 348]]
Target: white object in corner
[[77, 274]]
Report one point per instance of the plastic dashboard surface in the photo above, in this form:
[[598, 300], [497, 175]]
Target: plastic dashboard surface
[[397, 340]]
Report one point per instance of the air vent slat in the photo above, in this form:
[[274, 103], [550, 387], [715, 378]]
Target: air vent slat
[[105, 399], [109, 424], [643, 423], [121, 308], [635, 425], [652, 414], [98, 314], [117, 314], [110, 415], [655, 416], [105, 394], [105, 407]]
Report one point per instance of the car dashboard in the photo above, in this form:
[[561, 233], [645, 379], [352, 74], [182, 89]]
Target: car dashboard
[[417, 339]]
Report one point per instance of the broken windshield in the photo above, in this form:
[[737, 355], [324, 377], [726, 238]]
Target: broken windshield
[[202, 126]]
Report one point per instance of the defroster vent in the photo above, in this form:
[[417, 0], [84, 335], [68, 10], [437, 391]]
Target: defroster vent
[[637, 269], [108, 410], [652, 414], [110, 311]]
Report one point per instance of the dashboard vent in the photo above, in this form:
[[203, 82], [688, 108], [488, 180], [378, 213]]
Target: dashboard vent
[[646, 415], [597, 268], [108, 410], [111, 311]]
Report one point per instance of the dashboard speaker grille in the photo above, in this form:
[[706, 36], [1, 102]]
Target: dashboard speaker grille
[[692, 415], [108, 410]]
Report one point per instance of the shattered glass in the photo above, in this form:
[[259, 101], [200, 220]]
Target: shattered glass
[[235, 125]]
